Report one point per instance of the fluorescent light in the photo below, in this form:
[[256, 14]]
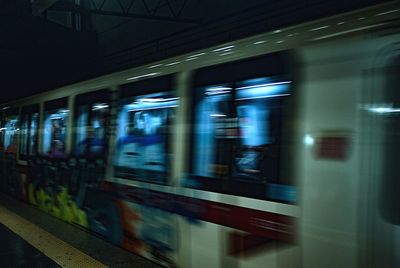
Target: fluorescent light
[[264, 97], [173, 63], [152, 108], [218, 88], [99, 107], [170, 99], [197, 55], [189, 59], [308, 140], [154, 66], [266, 85], [226, 53], [349, 31], [387, 12], [259, 42], [150, 99], [384, 110], [157, 99], [224, 48], [319, 28], [218, 115], [216, 93], [142, 76]]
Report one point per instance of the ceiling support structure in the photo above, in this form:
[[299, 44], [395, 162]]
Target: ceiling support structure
[[40, 6], [98, 7]]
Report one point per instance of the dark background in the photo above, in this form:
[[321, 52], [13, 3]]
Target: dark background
[[45, 44]]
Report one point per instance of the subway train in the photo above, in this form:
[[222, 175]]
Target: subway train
[[277, 150]]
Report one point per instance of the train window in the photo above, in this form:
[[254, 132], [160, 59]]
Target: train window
[[259, 104], [91, 129], [142, 147], [1, 133], [33, 134], [213, 116], [91, 124], [24, 136], [29, 126], [81, 129], [11, 134], [237, 132], [54, 138], [55, 128]]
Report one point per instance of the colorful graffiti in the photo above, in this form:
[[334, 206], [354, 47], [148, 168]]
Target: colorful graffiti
[[61, 206], [72, 190], [140, 220]]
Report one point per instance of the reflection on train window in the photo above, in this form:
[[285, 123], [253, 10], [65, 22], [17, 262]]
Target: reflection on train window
[[10, 134], [212, 116], [91, 129], [33, 133], [23, 147], [55, 132], [1, 133], [28, 132], [237, 138], [259, 112], [142, 148]]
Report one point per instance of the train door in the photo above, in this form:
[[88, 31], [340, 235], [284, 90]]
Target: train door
[[29, 132], [90, 136], [380, 221], [28, 144], [91, 124], [143, 160], [88, 164], [241, 141], [10, 143], [55, 128]]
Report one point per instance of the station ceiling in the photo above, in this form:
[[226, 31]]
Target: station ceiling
[[45, 44]]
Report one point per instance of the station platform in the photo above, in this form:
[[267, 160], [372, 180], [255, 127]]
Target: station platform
[[31, 238]]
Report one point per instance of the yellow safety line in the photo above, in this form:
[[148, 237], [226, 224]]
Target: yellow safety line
[[60, 252]]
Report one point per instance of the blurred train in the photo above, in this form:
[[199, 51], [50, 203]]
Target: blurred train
[[278, 150]]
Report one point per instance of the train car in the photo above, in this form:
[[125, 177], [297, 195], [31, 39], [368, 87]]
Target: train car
[[277, 150]]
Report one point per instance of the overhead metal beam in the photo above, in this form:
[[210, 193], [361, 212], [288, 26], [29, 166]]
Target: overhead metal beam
[[39, 6], [124, 13]]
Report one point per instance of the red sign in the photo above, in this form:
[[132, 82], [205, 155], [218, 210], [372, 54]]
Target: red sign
[[332, 148]]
